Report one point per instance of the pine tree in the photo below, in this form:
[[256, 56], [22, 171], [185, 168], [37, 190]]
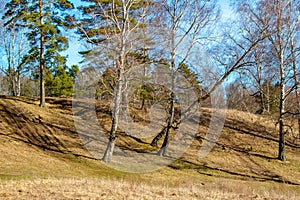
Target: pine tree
[[59, 82], [45, 21]]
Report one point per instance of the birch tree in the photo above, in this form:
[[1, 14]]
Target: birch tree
[[230, 50], [15, 45], [282, 22], [296, 75], [111, 29], [184, 21]]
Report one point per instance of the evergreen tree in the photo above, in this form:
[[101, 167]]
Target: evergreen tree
[[45, 21], [59, 83], [191, 77], [73, 72]]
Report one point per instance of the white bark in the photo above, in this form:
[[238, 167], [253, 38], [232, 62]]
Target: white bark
[[123, 32]]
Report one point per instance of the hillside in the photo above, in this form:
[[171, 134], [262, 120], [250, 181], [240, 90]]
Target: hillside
[[43, 156]]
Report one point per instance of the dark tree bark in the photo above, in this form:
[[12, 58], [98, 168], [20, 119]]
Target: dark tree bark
[[281, 153], [280, 20], [281, 150], [297, 95], [42, 59], [163, 150], [158, 137]]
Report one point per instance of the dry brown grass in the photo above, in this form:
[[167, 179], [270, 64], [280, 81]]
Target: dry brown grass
[[83, 188], [42, 157]]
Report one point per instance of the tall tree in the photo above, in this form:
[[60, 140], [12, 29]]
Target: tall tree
[[230, 51], [296, 75], [13, 41], [282, 22], [45, 21], [42, 54], [185, 21], [111, 29]]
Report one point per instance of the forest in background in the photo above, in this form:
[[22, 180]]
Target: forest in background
[[254, 55]]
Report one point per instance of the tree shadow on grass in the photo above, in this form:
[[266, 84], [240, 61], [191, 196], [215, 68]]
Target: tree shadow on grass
[[57, 102], [26, 127], [32, 130], [229, 174], [251, 129]]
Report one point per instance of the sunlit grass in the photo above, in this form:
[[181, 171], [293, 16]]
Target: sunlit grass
[[241, 165]]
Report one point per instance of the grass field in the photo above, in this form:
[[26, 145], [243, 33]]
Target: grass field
[[42, 157], [104, 188]]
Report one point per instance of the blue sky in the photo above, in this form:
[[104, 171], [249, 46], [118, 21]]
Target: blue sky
[[74, 46], [74, 58], [226, 10]]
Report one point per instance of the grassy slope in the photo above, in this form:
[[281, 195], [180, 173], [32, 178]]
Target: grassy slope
[[41, 151]]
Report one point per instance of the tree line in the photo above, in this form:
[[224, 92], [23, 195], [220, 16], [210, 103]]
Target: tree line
[[257, 50]]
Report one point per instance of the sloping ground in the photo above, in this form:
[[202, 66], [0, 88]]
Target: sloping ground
[[248, 148], [43, 143]]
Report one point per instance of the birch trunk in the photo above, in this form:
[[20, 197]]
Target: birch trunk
[[107, 157], [297, 95], [281, 153], [162, 151]]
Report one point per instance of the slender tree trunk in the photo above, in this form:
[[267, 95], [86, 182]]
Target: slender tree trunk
[[123, 27], [298, 105], [13, 64], [143, 103], [259, 81], [268, 97], [11, 89], [163, 149], [281, 153], [42, 59], [262, 104], [107, 157], [297, 95], [15, 85], [18, 82], [20, 65], [120, 66], [11, 84], [124, 102], [144, 67], [298, 99], [261, 93], [143, 88], [158, 137]]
